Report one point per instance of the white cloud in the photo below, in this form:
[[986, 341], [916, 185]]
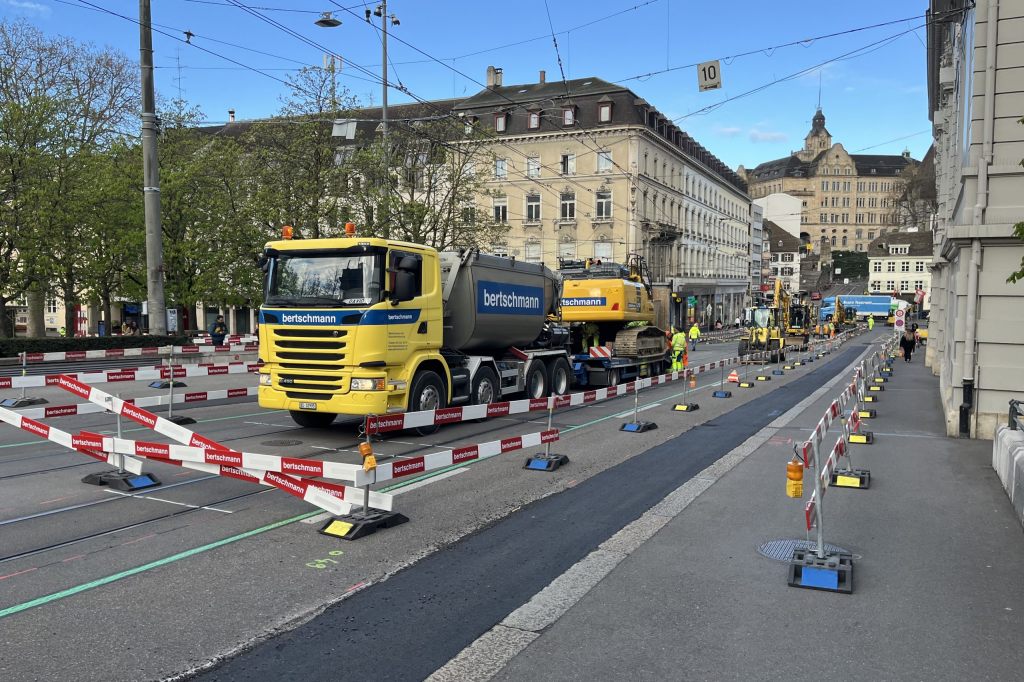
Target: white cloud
[[28, 6], [728, 131], [766, 135]]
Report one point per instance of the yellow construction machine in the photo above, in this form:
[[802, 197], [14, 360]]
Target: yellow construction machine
[[771, 328]]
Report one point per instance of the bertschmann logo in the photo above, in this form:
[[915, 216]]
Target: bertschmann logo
[[307, 318], [576, 302], [402, 317], [501, 299]]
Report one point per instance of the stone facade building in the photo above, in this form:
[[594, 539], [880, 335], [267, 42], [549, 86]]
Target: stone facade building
[[848, 199], [976, 98], [786, 253], [588, 169], [900, 264]]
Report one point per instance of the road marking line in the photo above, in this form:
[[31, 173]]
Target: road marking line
[[160, 499], [11, 575]]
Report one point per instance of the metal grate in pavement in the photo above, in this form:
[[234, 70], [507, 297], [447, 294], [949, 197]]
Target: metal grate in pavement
[[782, 550]]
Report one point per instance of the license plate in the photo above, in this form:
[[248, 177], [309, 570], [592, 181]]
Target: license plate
[[307, 406]]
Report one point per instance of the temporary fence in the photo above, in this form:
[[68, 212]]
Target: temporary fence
[[75, 409], [819, 567], [132, 374], [146, 351], [230, 340]]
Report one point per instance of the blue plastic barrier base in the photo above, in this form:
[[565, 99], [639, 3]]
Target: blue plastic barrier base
[[542, 462], [810, 358], [722, 394], [355, 526], [779, 372], [833, 573], [124, 481], [638, 427]]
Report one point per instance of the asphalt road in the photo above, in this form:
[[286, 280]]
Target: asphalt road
[[196, 569]]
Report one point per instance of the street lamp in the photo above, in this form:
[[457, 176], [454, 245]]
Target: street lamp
[[327, 20]]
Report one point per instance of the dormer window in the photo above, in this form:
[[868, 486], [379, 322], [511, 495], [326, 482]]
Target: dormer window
[[604, 112], [568, 116], [500, 121], [533, 120]]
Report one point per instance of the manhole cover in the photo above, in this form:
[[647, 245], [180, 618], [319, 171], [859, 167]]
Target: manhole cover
[[782, 550], [281, 443]]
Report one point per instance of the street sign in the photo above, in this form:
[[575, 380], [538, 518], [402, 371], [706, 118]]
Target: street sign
[[709, 75], [900, 313], [901, 322]]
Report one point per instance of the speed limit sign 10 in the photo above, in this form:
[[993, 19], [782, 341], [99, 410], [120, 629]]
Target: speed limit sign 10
[[709, 75]]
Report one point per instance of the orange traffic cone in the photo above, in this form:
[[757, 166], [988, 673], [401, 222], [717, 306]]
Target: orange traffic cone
[[734, 377]]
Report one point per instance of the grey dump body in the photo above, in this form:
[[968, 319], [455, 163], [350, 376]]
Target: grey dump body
[[493, 303]]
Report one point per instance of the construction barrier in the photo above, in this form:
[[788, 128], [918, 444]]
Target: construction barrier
[[148, 401], [148, 351], [131, 374]]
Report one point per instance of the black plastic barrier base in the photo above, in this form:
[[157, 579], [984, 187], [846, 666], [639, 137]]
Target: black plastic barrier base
[[779, 372], [124, 481], [542, 462], [27, 401], [166, 383], [851, 478], [638, 427], [834, 573], [685, 407], [355, 526]]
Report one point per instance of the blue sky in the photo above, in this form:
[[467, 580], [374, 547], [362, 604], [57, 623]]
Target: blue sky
[[869, 97]]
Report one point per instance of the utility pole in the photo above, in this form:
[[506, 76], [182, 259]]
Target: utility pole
[[151, 179], [383, 9]]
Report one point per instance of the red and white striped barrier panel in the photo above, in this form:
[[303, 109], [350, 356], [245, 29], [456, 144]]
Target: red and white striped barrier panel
[[230, 340], [400, 468], [147, 351], [51, 411], [600, 352], [68, 440], [131, 374], [327, 496], [824, 477], [247, 461]]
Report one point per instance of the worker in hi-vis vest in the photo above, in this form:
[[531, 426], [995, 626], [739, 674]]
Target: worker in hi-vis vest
[[678, 350], [871, 322], [694, 335]]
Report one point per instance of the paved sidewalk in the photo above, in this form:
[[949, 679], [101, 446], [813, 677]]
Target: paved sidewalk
[[938, 592]]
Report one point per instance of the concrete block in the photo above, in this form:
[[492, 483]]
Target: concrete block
[[1004, 444], [1017, 488]]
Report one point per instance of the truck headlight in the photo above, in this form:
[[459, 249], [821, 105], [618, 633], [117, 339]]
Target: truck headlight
[[369, 384], [265, 380]]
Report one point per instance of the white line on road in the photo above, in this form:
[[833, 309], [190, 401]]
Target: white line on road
[[160, 499]]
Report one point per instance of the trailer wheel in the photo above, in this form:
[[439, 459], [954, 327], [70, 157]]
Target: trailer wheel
[[561, 376], [485, 386], [537, 380], [426, 393], [312, 420], [613, 377]]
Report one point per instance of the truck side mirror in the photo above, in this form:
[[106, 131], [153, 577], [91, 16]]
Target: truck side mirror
[[405, 286]]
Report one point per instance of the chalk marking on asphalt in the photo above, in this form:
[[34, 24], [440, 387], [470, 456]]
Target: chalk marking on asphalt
[[493, 650], [106, 580], [160, 499]]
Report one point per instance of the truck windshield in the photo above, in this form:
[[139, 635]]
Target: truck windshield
[[762, 318], [332, 280]]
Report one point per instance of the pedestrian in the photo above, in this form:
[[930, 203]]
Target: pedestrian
[[871, 322], [737, 322], [694, 335], [218, 330], [718, 324], [678, 350], [907, 345]]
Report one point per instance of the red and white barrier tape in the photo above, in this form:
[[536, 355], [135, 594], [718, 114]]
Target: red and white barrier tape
[[51, 411], [131, 374], [74, 355], [324, 495], [230, 340], [67, 440]]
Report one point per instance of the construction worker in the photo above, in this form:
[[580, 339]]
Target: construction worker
[[694, 335], [871, 322], [678, 350]]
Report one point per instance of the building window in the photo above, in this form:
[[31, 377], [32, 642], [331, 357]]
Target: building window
[[844, 240], [890, 266], [919, 266], [51, 305], [568, 164], [500, 250], [824, 185], [787, 272], [604, 112], [775, 272], [904, 286], [890, 285], [876, 266], [533, 120], [871, 234], [501, 168], [846, 218], [568, 116], [499, 122], [603, 250], [568, 206], [823, 217], [532, 252], [533, 167], [874, 286], [918, 284], [905, 266], [533, 208], [567, 250], [500, 209], [787, 258], [833, 240], [775, 258], [835, 186], [603, 200], [604, 162]]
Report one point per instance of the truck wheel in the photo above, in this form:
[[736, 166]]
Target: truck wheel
[[426, 393], [485, 386], [561, 376], [312, 420], [613, 377], [537, 380]]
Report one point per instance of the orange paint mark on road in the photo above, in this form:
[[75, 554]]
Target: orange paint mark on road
[[72, 558], [11, 575], [144, 537]]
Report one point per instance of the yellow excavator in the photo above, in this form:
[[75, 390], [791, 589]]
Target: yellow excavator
[[609, 308], [769, 327]]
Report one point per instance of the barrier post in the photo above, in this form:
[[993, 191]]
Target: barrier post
[[120, 479], [637, 426], [170, 394], [23, 400], [721, 392], [744, 361], [763, 374], [684, 406], [546, 461], [367, 521]]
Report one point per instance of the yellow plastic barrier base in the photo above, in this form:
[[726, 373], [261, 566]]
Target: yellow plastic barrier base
[[685, 407], [745, 384], [852, 478], [870, 399], [763, 377], [866, 414], [866, 438], [355, 526], [876, 387]]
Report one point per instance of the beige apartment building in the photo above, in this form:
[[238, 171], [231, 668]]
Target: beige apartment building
[[847, 199], [975, 63], [587, 169]]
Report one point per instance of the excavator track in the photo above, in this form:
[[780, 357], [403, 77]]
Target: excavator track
[[640, 342]]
